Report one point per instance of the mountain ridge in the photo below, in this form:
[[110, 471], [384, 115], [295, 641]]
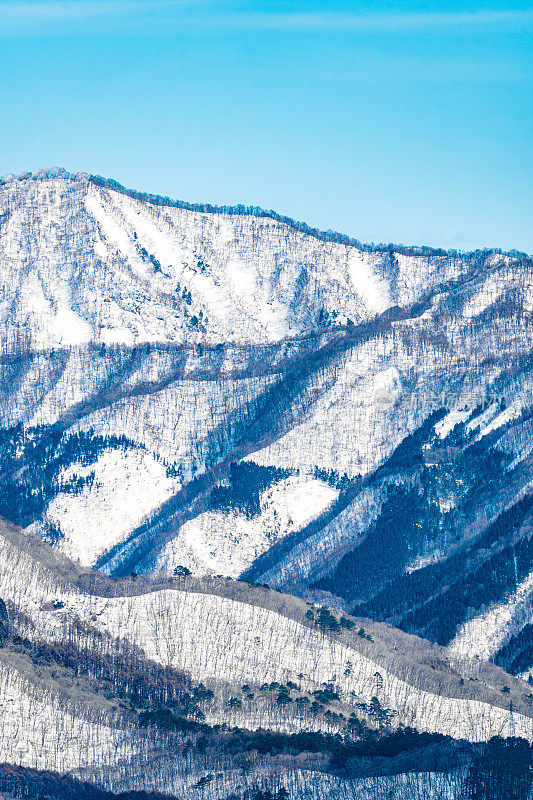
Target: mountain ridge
[[324, 235], [270, 504]]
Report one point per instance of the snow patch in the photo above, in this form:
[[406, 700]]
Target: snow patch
[[367, 284], [128, 486], [387, 388], [484, 635], [453, 418], [227, 543]]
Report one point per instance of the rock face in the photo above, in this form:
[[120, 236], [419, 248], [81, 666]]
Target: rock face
[[234, 393]]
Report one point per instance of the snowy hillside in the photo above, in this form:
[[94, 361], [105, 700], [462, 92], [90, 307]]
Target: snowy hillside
[[214, 408], [95, 265], [233, 393], [84, 263], [242, 647]]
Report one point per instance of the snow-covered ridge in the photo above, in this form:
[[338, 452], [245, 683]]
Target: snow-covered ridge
[[208, 336], [329, 235], [211, 636], [239, 634], [84, 262]]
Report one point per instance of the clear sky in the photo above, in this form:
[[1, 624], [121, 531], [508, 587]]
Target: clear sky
[[409, 122]]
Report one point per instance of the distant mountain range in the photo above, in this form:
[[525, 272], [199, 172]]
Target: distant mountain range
[[198, 402]]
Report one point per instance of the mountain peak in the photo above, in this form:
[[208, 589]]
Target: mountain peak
[[86, 261]]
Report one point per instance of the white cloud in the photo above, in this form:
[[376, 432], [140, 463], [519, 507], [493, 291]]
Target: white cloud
[[30, 13], [383, 21], [20, 14]]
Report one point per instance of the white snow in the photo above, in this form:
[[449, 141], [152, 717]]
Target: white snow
[[128, 486], [501, 419], [367, 284], [481, 301], [257, 301], [318, 554], [486, 633], [354, 420], [387, 388], [452, 418], [67, 327], [226, 543], [217, 638], [113, 232], [61, 324]]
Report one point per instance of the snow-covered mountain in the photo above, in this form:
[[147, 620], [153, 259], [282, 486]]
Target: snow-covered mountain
[[95, 265], [230, 393], [238, 394], [120, 682]]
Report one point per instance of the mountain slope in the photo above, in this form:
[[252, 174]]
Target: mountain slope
[[76, 643], [234, 393]]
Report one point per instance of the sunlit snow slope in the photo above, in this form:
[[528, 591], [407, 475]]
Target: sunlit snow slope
[[230, 392], [226, 634]]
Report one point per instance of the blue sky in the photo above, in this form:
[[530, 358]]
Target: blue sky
[[407, 122]]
